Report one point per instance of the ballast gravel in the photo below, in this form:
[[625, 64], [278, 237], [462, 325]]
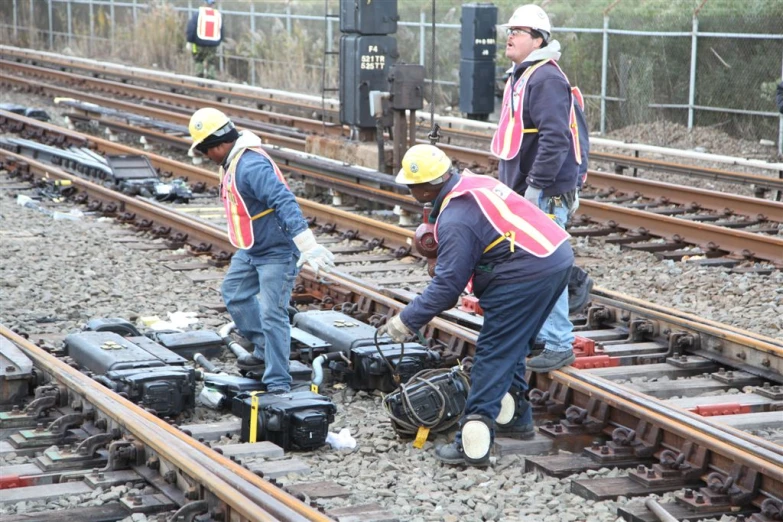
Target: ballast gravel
[[57, 274]]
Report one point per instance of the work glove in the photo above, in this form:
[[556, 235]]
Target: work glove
[[315, 255], [574, 205], [533, 194], [395, 329]]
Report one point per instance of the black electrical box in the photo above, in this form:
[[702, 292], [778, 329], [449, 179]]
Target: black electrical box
[[368, 16], [407, 87], [476, 87], [479, 32], [365, 62]]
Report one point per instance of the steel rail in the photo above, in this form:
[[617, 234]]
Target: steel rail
[[695, 198], [688, 170], [255, 500], [223, 90], [125, 89], [738, 243]]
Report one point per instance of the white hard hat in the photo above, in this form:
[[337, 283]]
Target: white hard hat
[[531, 16]]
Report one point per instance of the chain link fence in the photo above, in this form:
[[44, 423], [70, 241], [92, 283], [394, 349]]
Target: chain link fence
[[718, 67]]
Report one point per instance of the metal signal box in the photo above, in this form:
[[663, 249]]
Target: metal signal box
[[476, 87], [479, 32], [407, 87], [365, 62], [368, 16]]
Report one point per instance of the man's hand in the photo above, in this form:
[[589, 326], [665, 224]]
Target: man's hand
[[395, 329], [315, 255], [533, 194]]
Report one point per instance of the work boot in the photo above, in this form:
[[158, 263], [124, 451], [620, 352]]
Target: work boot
[[250, 362], [550, 360], [518, 431], [579, 287], [450, 454]]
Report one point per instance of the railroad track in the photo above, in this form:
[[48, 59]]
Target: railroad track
[[460, 132], [668, 445], [728, 227]]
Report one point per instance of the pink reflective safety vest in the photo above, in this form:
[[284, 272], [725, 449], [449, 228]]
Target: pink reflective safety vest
[[240, 222], [507, 139], [517, 220], [208, 27]]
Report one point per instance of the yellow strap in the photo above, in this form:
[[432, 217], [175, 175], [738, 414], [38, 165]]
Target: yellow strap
[[508, 235], [253, 417], [262, 214], [529, 131], [421, 437]]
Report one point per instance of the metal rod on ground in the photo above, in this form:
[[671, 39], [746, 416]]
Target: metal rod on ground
[[205, 363], [660, 513]]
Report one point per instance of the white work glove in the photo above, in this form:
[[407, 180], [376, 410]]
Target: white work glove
[[395, 329], [574, 205], [315, 255], [533, 194]]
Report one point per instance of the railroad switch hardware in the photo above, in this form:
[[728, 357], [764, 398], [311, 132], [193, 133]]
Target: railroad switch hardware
[[295, 420], [146, 372], [362, 367], [16, 373], [368, 18], [478, 48]]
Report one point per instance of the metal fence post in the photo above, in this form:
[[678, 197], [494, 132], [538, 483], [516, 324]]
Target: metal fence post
[[32, 19], [288, 18], [111, 26], [692, 82], [604, 72], [16, 21], [422, 27], [51, 24], [69, 21], [252, 31], [135, 20], [92, 26]]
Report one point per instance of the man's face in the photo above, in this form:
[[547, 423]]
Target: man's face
[[520, 44], [424, 192], [218, 154]]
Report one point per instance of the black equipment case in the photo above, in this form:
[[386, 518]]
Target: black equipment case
[[295, 420]]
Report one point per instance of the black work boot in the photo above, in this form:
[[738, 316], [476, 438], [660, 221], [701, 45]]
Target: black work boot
[[579, 287], [550, 360], [250, 362], [450, 454], [515, 421]]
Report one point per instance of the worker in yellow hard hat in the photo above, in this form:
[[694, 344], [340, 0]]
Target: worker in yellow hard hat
[[272, 238], [517, 261]]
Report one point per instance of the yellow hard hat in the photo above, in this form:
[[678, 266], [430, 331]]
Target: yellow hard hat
[[421, 164], [206, 122]]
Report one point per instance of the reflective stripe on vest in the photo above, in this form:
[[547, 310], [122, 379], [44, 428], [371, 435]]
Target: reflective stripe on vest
[[517, 220], [507, 140], [238, 219], [208, 27]]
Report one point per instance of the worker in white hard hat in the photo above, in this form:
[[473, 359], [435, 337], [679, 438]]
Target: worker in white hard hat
[[272, 238], [539, 149], [517, 260]]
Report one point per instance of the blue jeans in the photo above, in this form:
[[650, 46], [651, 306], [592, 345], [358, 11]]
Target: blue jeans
[[557, 334], [256, 294], [513, 313]]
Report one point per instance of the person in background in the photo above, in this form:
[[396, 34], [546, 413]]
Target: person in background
[[779, 97], [518, 260], [541, 153], [272, 238], [204, 34]]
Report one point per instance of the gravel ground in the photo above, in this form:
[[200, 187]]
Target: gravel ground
[[82, 273]]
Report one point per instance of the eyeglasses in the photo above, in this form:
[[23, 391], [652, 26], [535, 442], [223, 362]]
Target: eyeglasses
[[513, 31]]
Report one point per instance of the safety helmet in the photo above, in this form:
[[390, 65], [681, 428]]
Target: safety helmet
[[206, 122], [423, 164], [531, 16]]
